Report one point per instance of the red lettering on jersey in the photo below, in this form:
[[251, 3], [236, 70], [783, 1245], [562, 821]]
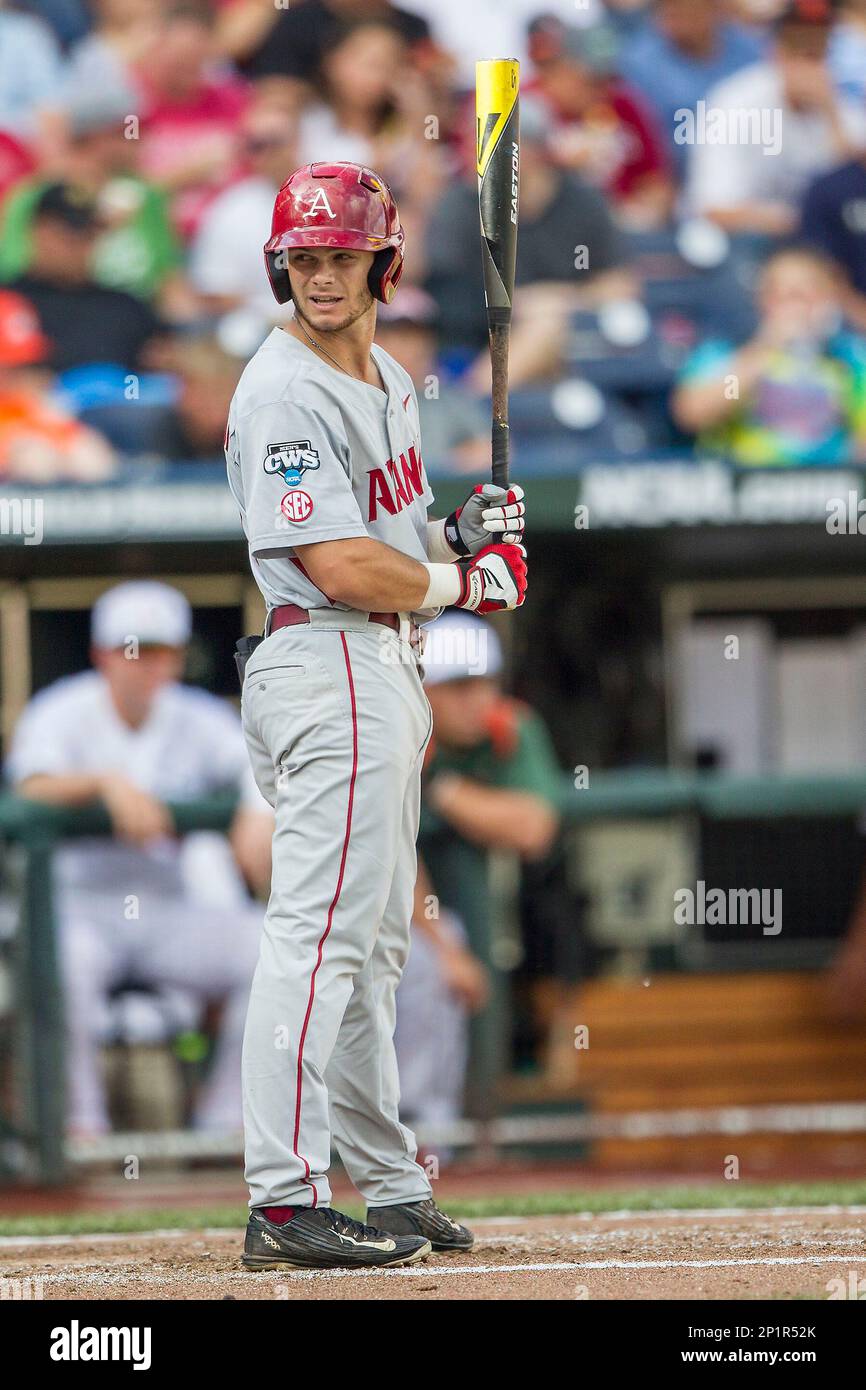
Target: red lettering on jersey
[[412, 469], [380, 492], [400, 487]]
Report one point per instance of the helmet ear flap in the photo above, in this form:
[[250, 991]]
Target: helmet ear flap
[[275, 264], [385, 273]]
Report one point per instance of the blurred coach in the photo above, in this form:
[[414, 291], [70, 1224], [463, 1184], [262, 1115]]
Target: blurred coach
[[491, 779], [145, 908]]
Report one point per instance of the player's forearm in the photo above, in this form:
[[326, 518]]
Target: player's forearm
[[495, 817], [700, 405], [366, 574], [62, 789], [250, 837]]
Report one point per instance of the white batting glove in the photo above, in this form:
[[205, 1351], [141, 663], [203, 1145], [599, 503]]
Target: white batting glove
[[490, 513]]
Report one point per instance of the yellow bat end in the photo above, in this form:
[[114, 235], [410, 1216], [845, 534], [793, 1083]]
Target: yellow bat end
[[497, 85]]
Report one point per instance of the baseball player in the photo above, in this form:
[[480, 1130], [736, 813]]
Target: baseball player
[[324, 460]]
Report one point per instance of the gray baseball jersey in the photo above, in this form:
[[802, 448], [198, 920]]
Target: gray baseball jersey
[[314, 455]]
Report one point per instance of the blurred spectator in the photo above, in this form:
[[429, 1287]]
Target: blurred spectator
[[443, 984], [489, 28], [600, 129], [847, 51], [685, 49], [136, 250], [207, 377], [289, 41], [491, 775], [225, 265], [190, 137], [16, 162], [69, 19], [490, 779], [834, 219], [628, 17], [107, 62], [360, 66], [455, 430], [39, 441], [796, 393], [373, 111], [569, 256], [30, 75], [756, 14], [144, 908], [797, 127], [86, 322]]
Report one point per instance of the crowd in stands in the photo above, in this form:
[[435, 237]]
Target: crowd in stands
[[693, 208]]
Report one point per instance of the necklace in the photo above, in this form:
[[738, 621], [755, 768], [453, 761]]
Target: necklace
[[323, 351]]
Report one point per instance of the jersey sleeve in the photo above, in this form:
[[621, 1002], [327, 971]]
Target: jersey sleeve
[[42, 742], [533, 766], [296, 473]]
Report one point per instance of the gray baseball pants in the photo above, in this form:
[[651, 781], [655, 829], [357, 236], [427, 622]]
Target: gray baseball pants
[[336, 722]]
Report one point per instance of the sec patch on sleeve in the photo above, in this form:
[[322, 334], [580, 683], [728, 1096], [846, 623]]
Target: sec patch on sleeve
[[291, 460], [297, 506]]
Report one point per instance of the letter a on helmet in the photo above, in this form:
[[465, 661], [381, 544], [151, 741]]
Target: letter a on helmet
[[339, 205], [320, 204]]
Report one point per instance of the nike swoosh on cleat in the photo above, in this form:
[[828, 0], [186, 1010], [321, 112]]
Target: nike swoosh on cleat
[[386, 1245]]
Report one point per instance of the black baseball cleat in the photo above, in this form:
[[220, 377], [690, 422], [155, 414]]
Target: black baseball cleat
[[423, 1219], [321, 1238]]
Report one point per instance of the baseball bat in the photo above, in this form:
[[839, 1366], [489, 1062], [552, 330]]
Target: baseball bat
[[497, 112]]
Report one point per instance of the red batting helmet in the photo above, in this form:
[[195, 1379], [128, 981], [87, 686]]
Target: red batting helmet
[[337, 205]]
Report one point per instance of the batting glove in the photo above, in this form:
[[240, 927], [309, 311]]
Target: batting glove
[[489, 513], [493, 579]]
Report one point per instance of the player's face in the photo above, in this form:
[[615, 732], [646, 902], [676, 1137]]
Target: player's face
[[800, 292], [462, 710], [330, 286], [136, 675]]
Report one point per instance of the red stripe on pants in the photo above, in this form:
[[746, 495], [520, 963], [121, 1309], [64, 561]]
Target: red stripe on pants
[[334, 901]]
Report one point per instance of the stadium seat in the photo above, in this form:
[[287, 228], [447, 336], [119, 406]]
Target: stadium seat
[[647, 365], [99, 396], [715, 298], [563, 427]]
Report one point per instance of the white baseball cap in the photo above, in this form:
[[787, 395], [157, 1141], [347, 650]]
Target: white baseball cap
[[459, 645], [144, 610]]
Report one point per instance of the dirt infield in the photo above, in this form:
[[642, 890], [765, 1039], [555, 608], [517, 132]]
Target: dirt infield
[[790, 1253]]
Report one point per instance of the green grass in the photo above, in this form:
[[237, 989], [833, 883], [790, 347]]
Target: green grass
[[717, 1195]]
